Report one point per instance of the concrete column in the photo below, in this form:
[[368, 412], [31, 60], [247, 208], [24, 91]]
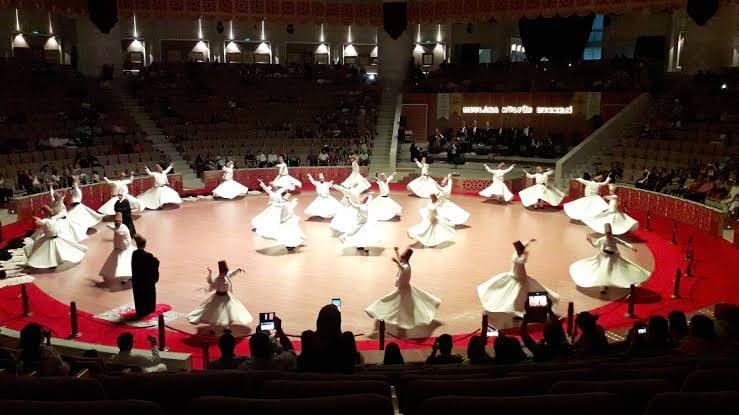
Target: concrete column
[[394, 55], [711, 46], [97, 49]]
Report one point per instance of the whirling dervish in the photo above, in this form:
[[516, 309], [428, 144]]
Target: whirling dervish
[[288, 230], [433, 229], [161, 194], [229, 188], [365, 233], [283, 178], [620, 222], [324, 205], [79, 213], [406, 307], [120, 187], [423, 186], [540, 192], [498, 188], [52, 248], [70, 229], [591, 203], [267, 220], [507, 293], [383, 207], [608, 267], [346, 218], [355, 179], [221, 309], [118, 264], [446, 208]]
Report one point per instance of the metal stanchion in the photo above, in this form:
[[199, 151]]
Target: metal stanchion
[[689, 267], [674, 232], [689, 249], [484, 328], [648, 225], [24, 300], [75, 330], [570, 318], [162, 334], [632, 297], [382, 334], [676, 287], [206, 355]]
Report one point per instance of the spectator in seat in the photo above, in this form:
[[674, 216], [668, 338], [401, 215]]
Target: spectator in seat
[[353, 352], [323, 158], [508, 350], [702, 338], [476, 353], [678, 323], [266, 355], [364, 159], [592, 340], [228, 359], [272, 158], [656, 341], [441, 352], [6, 190], [393, 355], [326, 349], [553, 345], [126, 356], [261, 159], [34, 355], [292, 159]]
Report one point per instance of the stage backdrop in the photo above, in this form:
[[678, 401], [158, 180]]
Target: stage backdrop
[[567, 113]]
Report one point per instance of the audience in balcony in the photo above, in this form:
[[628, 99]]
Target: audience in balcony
[[592, 340], [36, 356], [652, 339], [508, 350], [702, 337], [678, 323], [269, 353], [127, 357], [476, 353], [553, 345], [228, 360]]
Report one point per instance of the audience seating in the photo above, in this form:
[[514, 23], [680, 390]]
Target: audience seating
[[712, 380], [128, 407], [289, 389], [692, 403], [633, 394], [576, 404], [50, 389], [364, 404]]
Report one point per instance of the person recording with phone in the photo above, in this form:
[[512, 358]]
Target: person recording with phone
[[554, 344], [651, 339], [270, 353], [126, 357], [441, 352]]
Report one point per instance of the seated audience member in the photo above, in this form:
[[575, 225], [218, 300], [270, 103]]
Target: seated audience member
[[364, 159], [272, 158], [126, 356], [553, 345], [508, 350], [34, 355], [393, 355], [727, 325], [678, 325], [476, 353], [643, 182], [326, 349], [6, 190], [702, 337], [656, 340], [441, 352], [592, 340], [266, 355], [353, 352], [228, 359]]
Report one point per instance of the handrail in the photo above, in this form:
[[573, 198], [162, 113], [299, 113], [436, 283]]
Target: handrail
[[393, 162], [602, 137]]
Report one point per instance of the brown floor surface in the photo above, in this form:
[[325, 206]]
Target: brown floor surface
[[295, 285]]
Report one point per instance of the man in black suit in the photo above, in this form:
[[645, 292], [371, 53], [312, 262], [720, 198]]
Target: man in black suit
[[123, 206], [145, 275]]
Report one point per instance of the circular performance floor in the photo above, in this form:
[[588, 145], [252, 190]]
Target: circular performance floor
[[194, 236]]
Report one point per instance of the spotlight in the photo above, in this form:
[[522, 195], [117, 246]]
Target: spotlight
[[724, 86]]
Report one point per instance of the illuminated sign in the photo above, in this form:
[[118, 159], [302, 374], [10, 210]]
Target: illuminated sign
[[522, 109]]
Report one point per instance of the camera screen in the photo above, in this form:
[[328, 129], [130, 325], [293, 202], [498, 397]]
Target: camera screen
[[538, 300], [336, 302]]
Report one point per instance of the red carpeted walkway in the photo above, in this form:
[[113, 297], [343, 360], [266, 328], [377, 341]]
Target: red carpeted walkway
[[713, 281]]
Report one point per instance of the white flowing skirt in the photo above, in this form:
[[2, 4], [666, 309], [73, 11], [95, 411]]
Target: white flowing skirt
[[621, 223], [324, 207], [289, 233], [268, 218], [107, 209], [72, 230], [52, 252], [384, 208], [362, 183], [159, 196], [432, 234], [505, 293], [118, 264], [287, 181], [364, 235], [423, 186], [585, 207], [84, 216], [230, 189], [406, 308], [497, 189], [345, 220], [220, 310], [604, 270], [452, 213], [532, 194]]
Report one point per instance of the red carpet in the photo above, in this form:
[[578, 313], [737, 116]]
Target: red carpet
[[714, 269]]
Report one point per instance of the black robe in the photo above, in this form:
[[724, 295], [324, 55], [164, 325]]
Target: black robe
[[124, 207], [145, 270]]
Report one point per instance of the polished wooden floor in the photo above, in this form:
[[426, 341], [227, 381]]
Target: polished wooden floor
[[295, 285]]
